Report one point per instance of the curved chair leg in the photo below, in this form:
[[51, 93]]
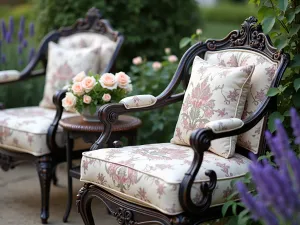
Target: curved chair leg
[[83, 203], [54, 177], [44, 168]]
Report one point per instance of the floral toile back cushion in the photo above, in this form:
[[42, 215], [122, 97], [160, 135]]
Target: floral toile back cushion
[[63, 65], [213, 93], [260, 83]]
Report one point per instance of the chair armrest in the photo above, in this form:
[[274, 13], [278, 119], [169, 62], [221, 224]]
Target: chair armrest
[[223, 125], [51, 134], [109, 113], [9, 76], [138, 101]]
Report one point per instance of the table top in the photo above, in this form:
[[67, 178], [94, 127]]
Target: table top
[[76, 123]]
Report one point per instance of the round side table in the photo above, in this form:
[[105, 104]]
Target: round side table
[[75, 127]]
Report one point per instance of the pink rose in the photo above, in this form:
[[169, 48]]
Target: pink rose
[[79, 77], [77, 89], [172, 58], [88, 83], [69, 101], [123, 79], [156, 66], [167, 51], [87, 99], [106, 97], [108, 80], [137, 60]]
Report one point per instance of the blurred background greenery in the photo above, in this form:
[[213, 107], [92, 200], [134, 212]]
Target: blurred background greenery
[[148, 26]]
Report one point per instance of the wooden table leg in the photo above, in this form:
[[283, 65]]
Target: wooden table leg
[[69, 166]]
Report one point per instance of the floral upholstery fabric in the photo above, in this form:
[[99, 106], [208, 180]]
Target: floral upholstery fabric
[[25, 129], [260, 83], [150, 175], [138, 101], [63, 65], [9, 75], [213, 93], [92, 40], [219, 126]]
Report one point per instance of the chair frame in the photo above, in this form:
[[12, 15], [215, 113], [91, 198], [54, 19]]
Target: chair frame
[[46, 164], [250, 37]]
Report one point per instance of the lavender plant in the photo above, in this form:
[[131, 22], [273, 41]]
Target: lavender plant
[[278, 187], [16, 46]]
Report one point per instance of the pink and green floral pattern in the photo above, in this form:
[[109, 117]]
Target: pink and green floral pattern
[[213, 93], [25, 130], [63, 65], [260, 83], [151, 174]]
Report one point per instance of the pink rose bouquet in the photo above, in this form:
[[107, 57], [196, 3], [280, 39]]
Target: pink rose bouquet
[[91, 90]]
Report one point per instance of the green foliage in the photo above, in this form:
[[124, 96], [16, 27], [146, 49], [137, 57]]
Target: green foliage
[[158, 126], [281, 20], [148, 26]]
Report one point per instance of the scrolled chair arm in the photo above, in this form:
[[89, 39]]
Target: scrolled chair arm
[[57, 100], [109, 113], [200, 141]]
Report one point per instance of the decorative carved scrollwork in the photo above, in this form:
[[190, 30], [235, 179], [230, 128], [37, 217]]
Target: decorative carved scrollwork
[[250, 36], [124, 216], [179, 220], [80, 194]]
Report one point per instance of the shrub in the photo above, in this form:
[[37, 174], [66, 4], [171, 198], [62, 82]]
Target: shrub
[[17, 48], [148, 26], [151, 77]]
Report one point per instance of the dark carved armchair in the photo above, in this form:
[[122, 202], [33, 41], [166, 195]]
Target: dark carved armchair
[[174, 184], [32, 133]]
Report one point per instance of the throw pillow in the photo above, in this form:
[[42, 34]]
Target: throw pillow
[[213, 93], [63, 65]]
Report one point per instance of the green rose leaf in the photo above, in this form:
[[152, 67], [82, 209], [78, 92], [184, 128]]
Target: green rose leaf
[[268, 23], [297, 84], [283, 4], [295, 62], [272, 118], [184, 42], [272, 92]]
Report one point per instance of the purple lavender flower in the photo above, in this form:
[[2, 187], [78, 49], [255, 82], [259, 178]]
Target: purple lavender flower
[[31, 29], [25, 43], [22, 23], [20, 49], [20, 35], [11, 24], [3, 59], [31, 54], [278, 188], [3, 29], [8, 37]]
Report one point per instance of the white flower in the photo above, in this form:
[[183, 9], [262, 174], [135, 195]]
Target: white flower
[[69, 101], [198, 31], [167, 51], [77, 89], [108, 80]]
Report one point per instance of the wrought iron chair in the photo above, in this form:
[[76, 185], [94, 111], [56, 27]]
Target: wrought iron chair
[[32, 133], [173, 184]]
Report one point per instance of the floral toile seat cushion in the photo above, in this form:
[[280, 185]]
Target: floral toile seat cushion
[[25, 130], [150, 175]]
